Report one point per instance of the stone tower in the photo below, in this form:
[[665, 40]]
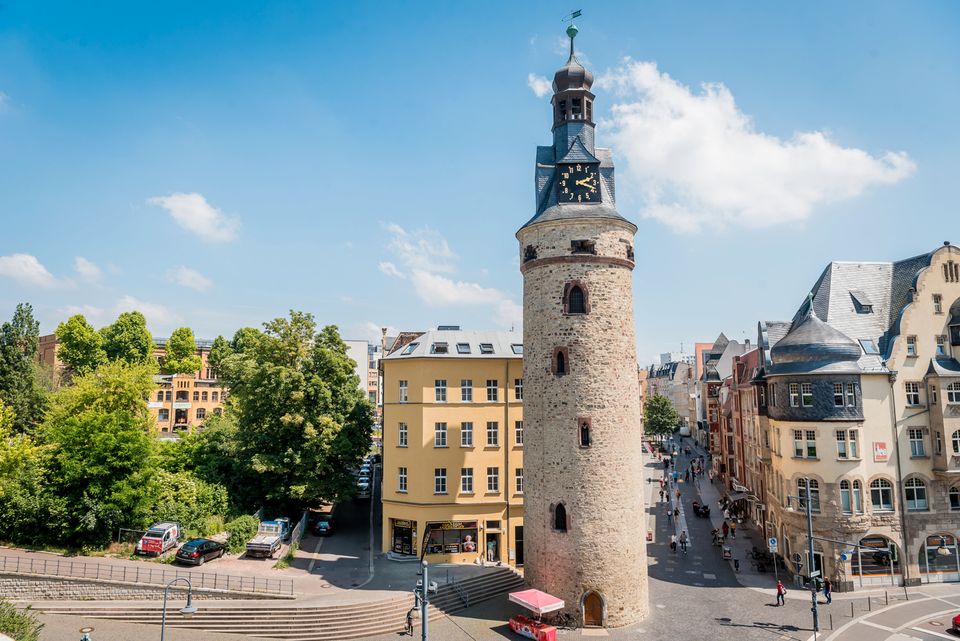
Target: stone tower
[[584, 521]]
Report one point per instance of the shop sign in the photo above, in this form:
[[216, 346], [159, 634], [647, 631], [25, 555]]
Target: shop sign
[[401, 523], [182, 405], [453, 525], [155, 405], [880, 453]]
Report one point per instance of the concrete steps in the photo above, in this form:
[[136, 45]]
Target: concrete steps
[[320, 623]]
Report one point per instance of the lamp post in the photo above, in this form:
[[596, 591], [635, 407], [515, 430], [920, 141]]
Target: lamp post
[[186, 611], [808, 505]]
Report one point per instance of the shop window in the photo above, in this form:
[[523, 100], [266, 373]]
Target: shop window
[[452, 537]]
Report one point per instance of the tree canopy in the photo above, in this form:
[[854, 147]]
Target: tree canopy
[[80, 346], [128, 339], [182, 355], [659, 416], [21, 387]]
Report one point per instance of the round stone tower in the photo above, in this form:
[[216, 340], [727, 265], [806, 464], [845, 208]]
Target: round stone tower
[[584, 520]]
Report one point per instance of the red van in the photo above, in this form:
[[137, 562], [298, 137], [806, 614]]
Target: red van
[[159, 538]]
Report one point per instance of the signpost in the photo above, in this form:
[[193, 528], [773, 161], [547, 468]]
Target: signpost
[[772, 546]]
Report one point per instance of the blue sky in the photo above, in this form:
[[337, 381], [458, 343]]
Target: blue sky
[[216, 164]]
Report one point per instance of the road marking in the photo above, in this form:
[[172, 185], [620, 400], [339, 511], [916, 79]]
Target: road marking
[[936, 634], [877, 625], [710, 576], [316, 550], [373, 481]]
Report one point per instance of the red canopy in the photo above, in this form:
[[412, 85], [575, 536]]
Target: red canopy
[[537, 601]]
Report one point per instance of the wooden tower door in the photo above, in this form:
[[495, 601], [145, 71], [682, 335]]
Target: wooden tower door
[[592, 610]]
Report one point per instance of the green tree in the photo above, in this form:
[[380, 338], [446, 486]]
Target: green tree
[[302, 419], [186, 499], [21, 387], [102, 438], [181, 355], [128, 339], [659, 416], [218, 352], [81, 346]]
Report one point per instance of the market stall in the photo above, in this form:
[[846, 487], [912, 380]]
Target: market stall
[[539, 603]]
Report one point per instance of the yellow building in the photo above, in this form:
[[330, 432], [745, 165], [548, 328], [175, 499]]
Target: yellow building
[[453, 447]]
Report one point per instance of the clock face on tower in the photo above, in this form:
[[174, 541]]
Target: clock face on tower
[[578, 184]]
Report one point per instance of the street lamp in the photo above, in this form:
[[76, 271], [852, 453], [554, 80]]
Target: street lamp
[[86, 634], [808, 505], [186, 610]]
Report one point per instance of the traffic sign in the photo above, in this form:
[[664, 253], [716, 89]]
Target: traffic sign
[[772, 544], [797, 557], [843, 557], [814, 574]]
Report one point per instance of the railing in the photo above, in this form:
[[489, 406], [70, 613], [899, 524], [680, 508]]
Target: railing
[[462, 593], [143, 574], [299, 530]]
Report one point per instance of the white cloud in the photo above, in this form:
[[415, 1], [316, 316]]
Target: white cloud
[[429, 261], [195, 214], [187, 277], [87, 270], [372, 331], [96, 316], [159, 318], [26, 270], [390, 269], [539, 85], [699, 160]]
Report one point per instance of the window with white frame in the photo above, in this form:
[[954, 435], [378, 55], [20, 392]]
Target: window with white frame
[[493, 434], [403, 392], [518, 433], [806, 394], [941, 345], [811, 444], [838, 398], [518, 480], [953, 393], [466, 434], [401, 479], [955, 442], [954, 499], [915, 493], [842, 450], [440, 480], [881, 495], [798, 443], [518, 389], [846, 499], [911, 345], [402, 435], [814, 494], [937, 304], [466, 480], [913, 393], [851, 395], [857, 497], [466, 390], [439, 434], [493, 479], [915, 434], [440, 390], [794, 395], [854, 443], [491, 390]]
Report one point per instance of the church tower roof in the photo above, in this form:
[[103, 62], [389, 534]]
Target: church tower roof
[[572, 75]]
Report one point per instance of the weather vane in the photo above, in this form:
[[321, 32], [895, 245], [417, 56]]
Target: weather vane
[[570, 16]]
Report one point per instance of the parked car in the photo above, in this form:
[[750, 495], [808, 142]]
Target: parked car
[[286, 529], [324, 526], [199, 551], [267, 541], [159, 538], [956, 624]]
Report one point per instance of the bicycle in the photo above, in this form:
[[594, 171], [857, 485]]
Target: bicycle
[[564, 621]]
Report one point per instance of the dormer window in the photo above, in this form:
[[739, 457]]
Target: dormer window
[[583, 247], [463, 348], [439, 348], [861, 303], [486, 348], [409, 349]]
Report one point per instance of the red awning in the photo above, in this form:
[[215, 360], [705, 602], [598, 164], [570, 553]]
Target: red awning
[[537, 601]]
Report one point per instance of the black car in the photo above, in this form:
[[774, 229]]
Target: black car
[[324, 526], [197, 551]]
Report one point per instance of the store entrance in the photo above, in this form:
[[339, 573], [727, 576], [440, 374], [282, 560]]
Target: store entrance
[[518, 536], [402, 537], [493, 548]]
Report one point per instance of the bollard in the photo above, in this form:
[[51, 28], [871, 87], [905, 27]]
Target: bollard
[[831, 620], [869, 604], [886, 596], [851, 609], [906, 595]]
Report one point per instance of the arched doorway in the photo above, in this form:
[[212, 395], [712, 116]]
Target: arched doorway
[[594, 608], [877, 562], [939, 561]]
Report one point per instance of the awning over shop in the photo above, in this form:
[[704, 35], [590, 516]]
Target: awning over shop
[[739, 496], [537, 601]]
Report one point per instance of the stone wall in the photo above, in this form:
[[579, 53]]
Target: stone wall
[[23, 587], [604, 549]]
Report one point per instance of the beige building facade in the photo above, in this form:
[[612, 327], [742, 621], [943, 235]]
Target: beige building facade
[[453, 447]]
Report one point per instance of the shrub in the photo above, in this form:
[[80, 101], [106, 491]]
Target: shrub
[[241, 530], [22, 625]]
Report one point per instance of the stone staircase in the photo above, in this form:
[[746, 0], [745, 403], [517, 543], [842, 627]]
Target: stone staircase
[[320, 623]]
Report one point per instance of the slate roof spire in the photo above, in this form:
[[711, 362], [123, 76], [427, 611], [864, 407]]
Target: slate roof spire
[[572, 100]]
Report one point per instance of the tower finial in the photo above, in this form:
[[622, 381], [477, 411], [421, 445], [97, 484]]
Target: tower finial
[[572, 30]]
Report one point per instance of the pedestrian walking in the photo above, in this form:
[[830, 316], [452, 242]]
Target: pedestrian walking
[[725, 529], [673, 542], [669, 514], [828, 590], [409, 629], [683, 541], [733, 529], [678, 493], [676, 513], [661, 494], [781, 594], [686, 477]]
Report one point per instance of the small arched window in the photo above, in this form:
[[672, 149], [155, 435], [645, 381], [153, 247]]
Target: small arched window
[[915, 492], [584, 432], [576, 303], [560, 518], [561, 361], [955, 442]]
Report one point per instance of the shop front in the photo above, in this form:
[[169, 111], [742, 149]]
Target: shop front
[[404, 536], [455, 539]]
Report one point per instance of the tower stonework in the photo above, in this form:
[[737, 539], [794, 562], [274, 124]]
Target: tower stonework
[[584, 526]]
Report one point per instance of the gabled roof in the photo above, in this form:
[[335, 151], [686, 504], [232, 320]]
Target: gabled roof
[[578, 152]]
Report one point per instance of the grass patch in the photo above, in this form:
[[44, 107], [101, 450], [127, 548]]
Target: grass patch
[[284, 561]]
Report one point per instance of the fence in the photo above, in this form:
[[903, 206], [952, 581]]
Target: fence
[[143, 574], [299, 530]]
